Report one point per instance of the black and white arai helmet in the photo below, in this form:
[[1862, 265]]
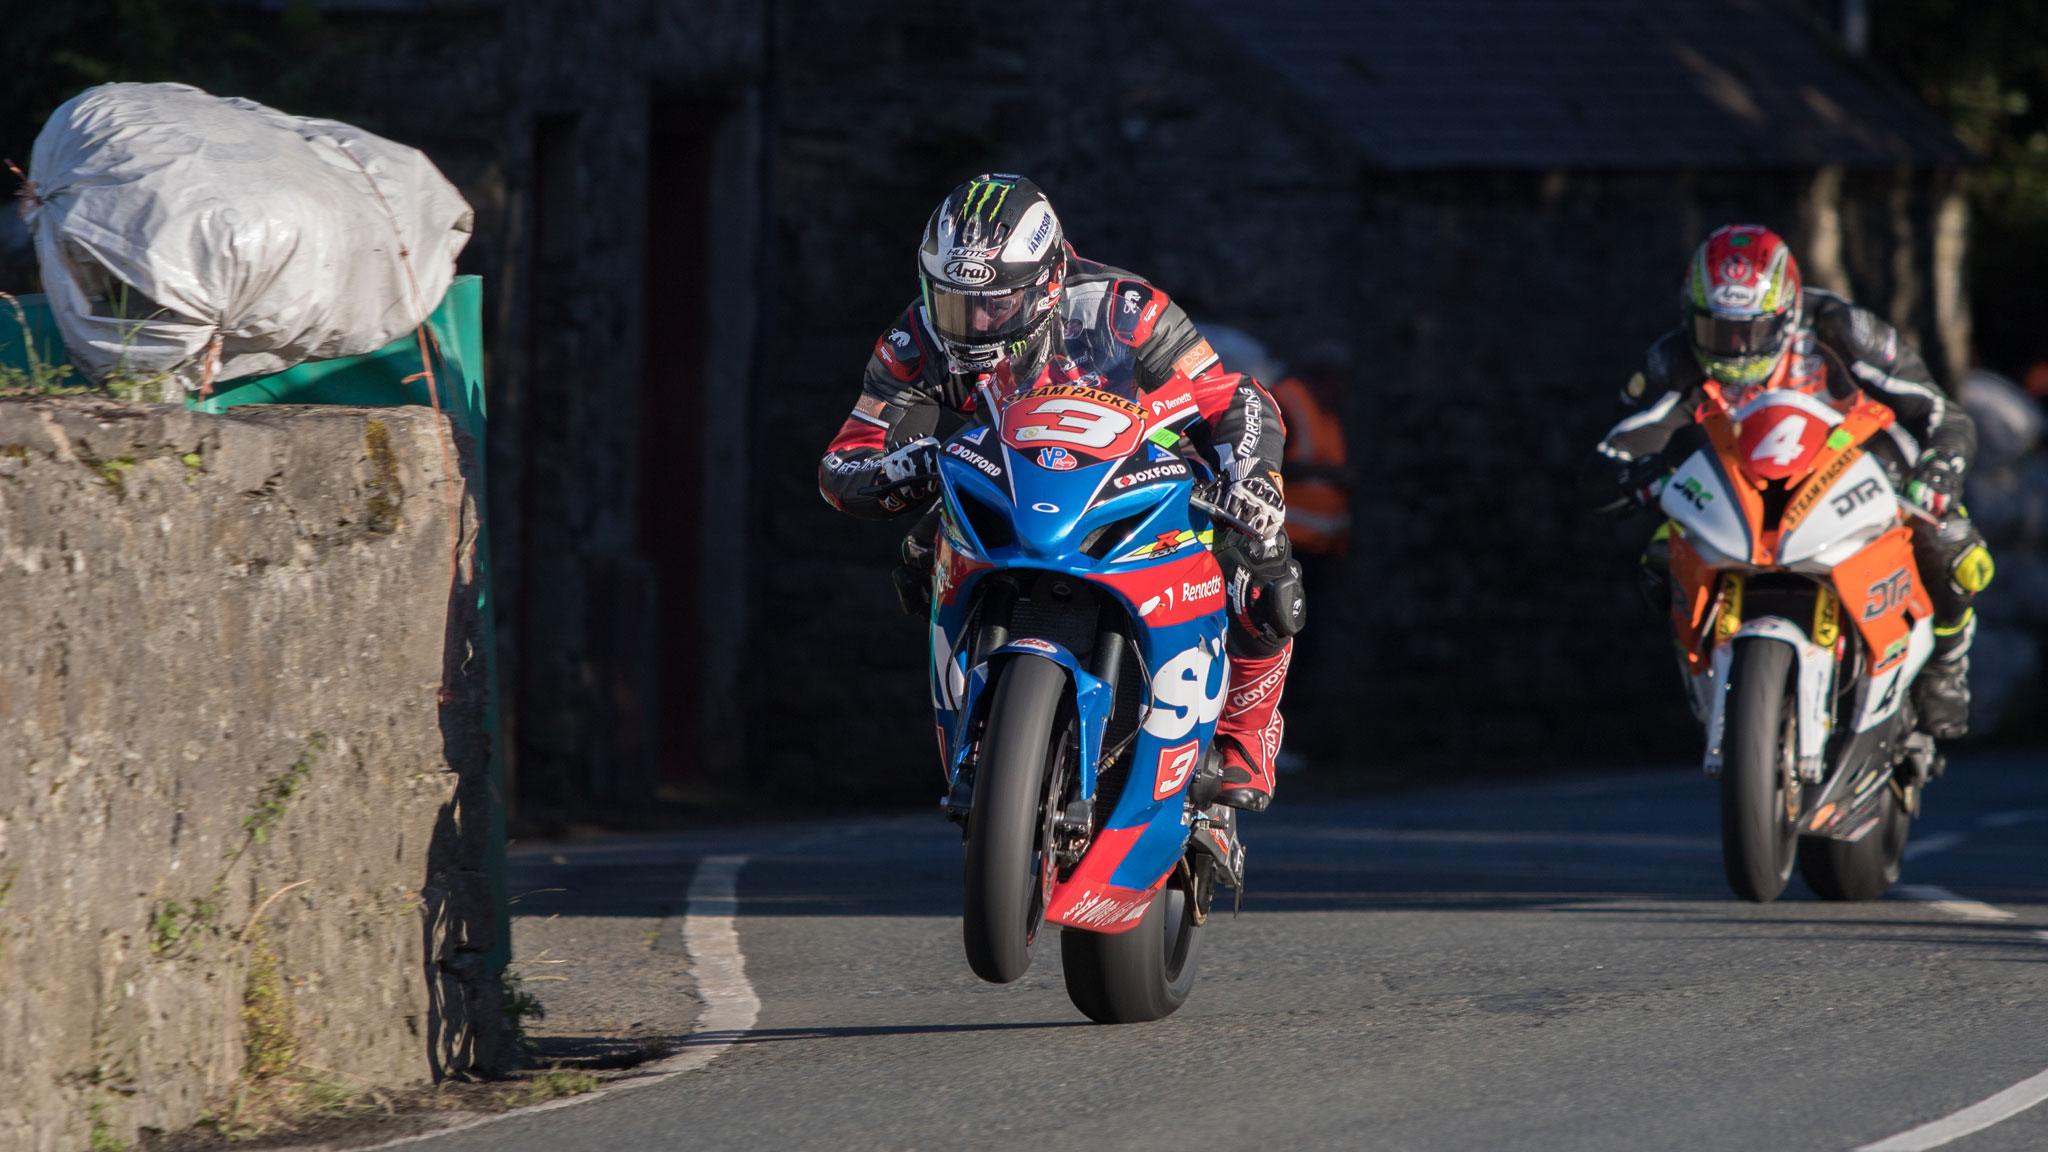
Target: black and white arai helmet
[[991, 267]]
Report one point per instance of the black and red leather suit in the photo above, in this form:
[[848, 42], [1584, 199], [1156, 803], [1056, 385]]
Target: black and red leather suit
[[1105, 313]]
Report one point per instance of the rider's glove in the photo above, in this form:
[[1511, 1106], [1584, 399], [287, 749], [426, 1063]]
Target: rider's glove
[[1642, 481], [917, 460], [1254, 497], [1937, 482]]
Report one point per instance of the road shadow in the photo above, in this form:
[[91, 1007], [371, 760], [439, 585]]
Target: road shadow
[[856, 1032]]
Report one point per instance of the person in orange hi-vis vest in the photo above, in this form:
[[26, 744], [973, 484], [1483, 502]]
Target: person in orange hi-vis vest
[[1318, 480]]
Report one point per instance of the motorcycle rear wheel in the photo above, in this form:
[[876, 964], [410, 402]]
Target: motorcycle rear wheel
[[1003, 894], [1861, 869], [1759, 780], [1139, 975]]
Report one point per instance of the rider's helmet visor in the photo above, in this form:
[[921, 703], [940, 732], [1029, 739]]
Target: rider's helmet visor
[[1732, 337], [978, 318]]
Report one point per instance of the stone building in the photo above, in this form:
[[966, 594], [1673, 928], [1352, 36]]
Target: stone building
[[696, 218]]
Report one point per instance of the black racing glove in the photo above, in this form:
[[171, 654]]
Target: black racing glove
[[1642, 481], [1937, 481], [916, 461], [1253, 496]]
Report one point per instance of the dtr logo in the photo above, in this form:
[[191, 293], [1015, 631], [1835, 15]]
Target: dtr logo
[[1888, 594]]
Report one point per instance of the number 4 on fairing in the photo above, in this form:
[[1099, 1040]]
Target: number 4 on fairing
[[1078, 672], [1800, 617]]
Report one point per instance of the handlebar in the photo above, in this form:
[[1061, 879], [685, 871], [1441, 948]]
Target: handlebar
[[1216, 513], [887, 487]]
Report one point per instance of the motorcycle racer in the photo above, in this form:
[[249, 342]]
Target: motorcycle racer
[[1003, 294], [1749, 323]]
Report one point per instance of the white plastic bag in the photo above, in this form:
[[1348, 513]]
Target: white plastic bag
[[165, 218]]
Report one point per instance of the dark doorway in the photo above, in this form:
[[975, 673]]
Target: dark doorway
[[676, 292]]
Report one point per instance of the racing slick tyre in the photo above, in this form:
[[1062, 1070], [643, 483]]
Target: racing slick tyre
[[1139, 975], [1003, 900], [1861, 869], [1759, 777]]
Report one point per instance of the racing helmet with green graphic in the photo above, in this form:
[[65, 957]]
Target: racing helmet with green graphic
[[991, 268], [1741, 303]]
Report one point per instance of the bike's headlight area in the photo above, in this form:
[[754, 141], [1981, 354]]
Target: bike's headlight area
[[990, 525], [1107, 538]]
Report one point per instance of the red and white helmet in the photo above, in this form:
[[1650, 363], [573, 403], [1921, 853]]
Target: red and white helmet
[[1742, 303]]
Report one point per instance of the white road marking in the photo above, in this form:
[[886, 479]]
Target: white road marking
[[2014, 1100], [1929, 845], [1457, 836], [1975, 1118], [1947, 901], [730, 1004], [713, 941]]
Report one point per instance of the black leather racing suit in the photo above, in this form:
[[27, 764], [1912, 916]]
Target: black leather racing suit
[[1659, 431], [1105, 314]]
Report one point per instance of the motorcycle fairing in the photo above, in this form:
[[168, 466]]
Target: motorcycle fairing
[[1883, 593], [1839, 526], [1885, 689], [1779, 432], [1165, 578], [1815, 691], [1702, 501], [1853, 502]]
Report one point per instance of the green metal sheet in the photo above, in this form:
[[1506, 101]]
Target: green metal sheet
[[389, 377]]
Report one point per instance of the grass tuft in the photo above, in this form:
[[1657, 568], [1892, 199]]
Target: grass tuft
[[270, 1045], [520, 1006], [552, 1084], [276, 796]]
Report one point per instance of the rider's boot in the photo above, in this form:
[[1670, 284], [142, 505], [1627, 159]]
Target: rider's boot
[[1248, 734], [1941, 693]]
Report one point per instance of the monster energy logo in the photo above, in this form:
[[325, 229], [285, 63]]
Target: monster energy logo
[[977, 201]]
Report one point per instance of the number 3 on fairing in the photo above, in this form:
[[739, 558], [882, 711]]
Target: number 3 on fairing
[[1080, 422], [1783, 445]]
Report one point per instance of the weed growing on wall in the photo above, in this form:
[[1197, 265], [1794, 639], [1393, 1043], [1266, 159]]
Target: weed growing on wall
[[39, 377]]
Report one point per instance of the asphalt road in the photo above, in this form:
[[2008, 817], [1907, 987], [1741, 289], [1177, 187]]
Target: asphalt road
[[1542, 966]]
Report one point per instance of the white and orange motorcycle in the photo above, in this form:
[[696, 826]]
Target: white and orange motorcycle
[[1801, 620]]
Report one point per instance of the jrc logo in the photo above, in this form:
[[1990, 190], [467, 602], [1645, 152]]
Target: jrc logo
[[1696, 493], [1888, 594]]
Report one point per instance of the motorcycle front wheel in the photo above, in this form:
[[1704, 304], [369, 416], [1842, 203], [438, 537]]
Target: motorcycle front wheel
[[1759, 778], [1004, 893], [1139, 975]]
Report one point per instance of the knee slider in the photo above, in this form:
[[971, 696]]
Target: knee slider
[[1282, 607], [1972, 571]]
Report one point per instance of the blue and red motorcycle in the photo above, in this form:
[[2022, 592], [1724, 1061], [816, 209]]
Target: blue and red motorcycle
[[1078, 671]]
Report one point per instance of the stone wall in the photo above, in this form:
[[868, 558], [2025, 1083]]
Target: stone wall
[[242, 768]]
